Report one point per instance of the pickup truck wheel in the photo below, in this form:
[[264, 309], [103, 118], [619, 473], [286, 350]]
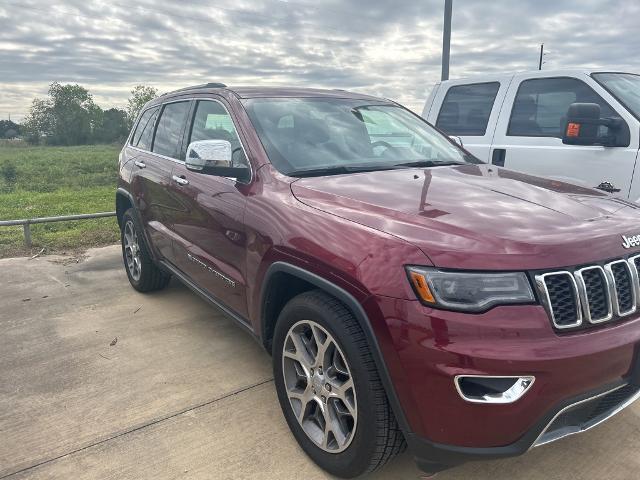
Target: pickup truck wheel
[[329, 388], [144, 275]]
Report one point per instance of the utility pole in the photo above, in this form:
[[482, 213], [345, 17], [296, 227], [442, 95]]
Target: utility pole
[[446, 39], [541, 54]]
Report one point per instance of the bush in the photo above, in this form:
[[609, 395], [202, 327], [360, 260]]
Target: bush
[[9, 175]]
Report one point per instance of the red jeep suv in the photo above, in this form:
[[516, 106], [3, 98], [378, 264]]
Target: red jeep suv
[[410, 294]]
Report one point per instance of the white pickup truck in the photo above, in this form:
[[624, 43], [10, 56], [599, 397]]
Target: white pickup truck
[[577, 126]]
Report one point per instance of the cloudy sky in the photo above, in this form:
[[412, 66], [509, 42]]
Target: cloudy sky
[[388, 48]]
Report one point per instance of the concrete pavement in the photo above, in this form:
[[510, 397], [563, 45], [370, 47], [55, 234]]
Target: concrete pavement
[[98, 381]]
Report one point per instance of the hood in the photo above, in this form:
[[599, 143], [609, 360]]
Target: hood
[[481, 216]]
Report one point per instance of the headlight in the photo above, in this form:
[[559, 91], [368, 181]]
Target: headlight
[[469, 291]]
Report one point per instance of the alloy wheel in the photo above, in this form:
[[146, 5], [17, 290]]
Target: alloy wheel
[[132, 251], [319, 386]]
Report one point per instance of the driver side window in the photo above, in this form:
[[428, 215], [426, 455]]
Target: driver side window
[[541, 104], [212, 122]]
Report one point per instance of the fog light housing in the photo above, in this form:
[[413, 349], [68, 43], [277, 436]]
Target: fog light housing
[[492, 389]]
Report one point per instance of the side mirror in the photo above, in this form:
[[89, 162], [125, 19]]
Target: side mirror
[[457, 140], [583, 126], [214, 157]]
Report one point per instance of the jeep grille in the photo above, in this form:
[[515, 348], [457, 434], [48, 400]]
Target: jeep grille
[[592, 294]]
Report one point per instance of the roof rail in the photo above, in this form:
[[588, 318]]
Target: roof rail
[[204, 85]]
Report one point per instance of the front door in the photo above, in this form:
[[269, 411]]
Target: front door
[[210, 238], [529, 136]]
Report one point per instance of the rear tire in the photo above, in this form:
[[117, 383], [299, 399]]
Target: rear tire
[[317, 341], [144, 275]]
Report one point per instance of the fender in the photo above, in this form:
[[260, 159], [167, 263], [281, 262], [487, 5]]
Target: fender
[[122, 192], [358, 312]]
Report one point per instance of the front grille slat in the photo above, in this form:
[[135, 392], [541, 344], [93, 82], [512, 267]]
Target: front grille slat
[[591, 294], [596, 289], [562, 298], [596, 298], [621, 279]]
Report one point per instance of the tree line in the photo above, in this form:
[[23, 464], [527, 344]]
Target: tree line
[[9, 129], [69, 116]]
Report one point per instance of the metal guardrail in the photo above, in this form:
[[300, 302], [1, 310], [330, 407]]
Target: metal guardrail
[[27, 222]]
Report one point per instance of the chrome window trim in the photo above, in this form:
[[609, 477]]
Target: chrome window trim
[[156, 154], [588, 426], [190, 120], [612, 287], [583, 294], [542, 287]]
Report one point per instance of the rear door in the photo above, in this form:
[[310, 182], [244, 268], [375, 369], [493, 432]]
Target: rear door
[[210, 237], [149, 183], [529, 133], [469, 110]]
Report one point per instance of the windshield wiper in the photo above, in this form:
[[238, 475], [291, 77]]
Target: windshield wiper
[[429, 163], [338, 170]]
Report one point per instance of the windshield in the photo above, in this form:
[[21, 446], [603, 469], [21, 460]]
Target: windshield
[[624, 86], [326, 136]]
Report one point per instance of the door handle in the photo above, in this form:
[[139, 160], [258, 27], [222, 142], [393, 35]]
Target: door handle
[[180, 180], [608, 187], [498, 156], [140, 164]]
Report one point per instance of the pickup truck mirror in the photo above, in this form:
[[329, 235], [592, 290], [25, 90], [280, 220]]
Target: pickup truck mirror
[[583, 126], [214, 157]]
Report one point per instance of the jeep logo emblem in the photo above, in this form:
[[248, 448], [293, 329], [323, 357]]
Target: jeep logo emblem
[[628, 242]]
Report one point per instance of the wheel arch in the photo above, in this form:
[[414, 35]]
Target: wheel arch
[[124, 201], [271, 304]]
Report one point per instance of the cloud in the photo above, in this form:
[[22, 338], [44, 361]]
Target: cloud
[[386, 48]]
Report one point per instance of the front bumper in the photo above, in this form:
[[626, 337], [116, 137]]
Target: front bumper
[[425, 349], [577, 415]]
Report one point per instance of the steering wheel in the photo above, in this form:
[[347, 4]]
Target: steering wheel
[[382, 143]]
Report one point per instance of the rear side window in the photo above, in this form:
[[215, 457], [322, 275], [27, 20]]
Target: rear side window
[[170, 128], [144, 130], [541, 105], [466, 109]]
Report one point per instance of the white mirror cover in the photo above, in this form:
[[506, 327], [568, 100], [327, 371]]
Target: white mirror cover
[[208, 153]]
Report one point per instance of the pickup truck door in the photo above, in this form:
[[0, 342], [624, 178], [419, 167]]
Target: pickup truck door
[[468, 110], [528, 136]]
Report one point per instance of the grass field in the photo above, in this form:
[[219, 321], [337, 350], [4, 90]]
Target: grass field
[[49, 181]]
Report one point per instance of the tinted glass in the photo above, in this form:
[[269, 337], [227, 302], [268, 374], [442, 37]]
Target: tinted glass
[[624, 86], [144, 130], [466, 109], [541, 105], [213, 122], [170, 128], [322, 133]]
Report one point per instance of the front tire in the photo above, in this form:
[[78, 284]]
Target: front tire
[[329, 388], [144, 275]]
